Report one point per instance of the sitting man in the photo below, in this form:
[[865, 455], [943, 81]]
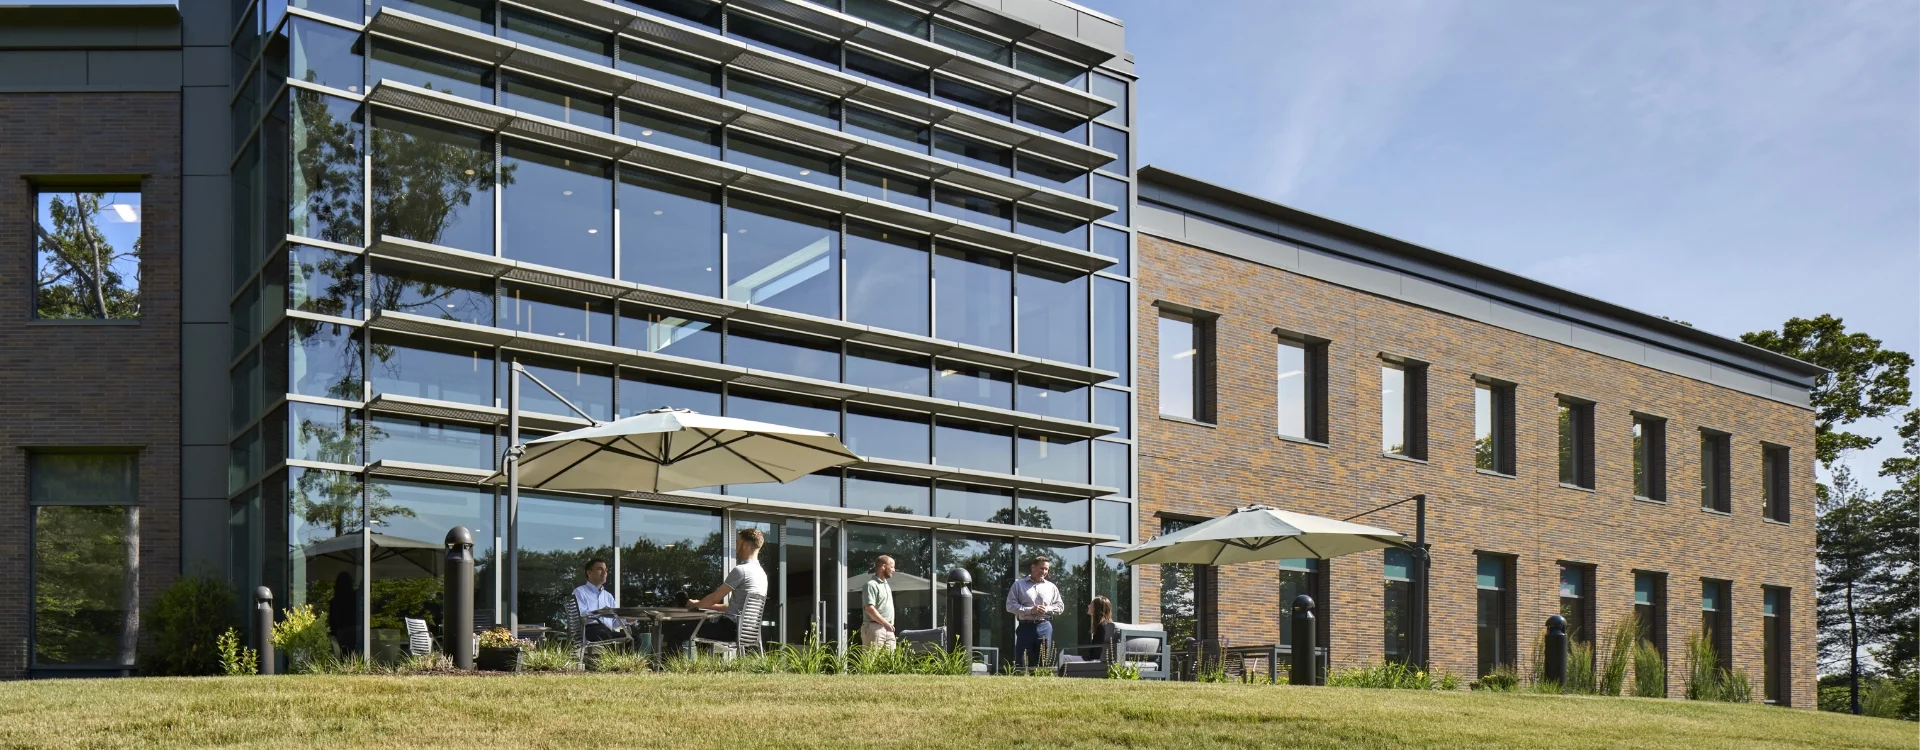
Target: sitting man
[[593, 595], [745, 579]]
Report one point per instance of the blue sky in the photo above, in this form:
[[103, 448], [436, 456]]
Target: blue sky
[[1731, 164]]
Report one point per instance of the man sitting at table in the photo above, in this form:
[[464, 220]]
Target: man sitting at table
[[593, 595], [746, 578]]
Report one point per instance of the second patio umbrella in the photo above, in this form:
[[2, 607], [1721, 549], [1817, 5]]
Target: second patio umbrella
[[1259, 532]]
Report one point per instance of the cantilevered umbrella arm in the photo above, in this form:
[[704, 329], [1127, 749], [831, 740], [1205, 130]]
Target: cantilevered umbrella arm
[[514, 451]]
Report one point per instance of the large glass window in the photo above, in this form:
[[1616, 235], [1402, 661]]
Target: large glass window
[[1052, 227], [1066, 125], [413, 519], [1494, 614], [887, 369], [554, 35], [588, 385], [1057, 457], [558, 211], [397, 438], [328, 434], [1047, 173], [1112, 329], [1187, 596], [975, 43], [786, 160], [972, 384], [324, 519], [1114, 409], [1052, 398], [759, 32], [976, 99], [1397, 604], [325, 54], [781, 99], [780, 351], [1114, 90], [792, 410], [433, 369], [669, 332], [323, 360], [887, 72], [973, 298], [550, 312], [888, 493], [973, 445], [695, 11], [973, 503], [670, 68], [429, 292], [913, 576], [890, 187], [1052, 305], [1112, 140], [87, 254], [1113, 466], [327, 146], [986, 211], [884, 433], [86, 541], [1047, 67], [1057, 512], [988, 157], [1114, 193], [558, 535], [889, 130], [642, 391], [1072, 571], [1112, 243], [782, 257], [1113, 517], [323, 282], [669, 232], [553, 101], [668, 130], [667, 550], [1179, 367], [418, 66], [474, 15], [887, 278], [433, 183], [989, 561]]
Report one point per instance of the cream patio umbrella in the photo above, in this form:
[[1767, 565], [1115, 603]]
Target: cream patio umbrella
[[675, 449], [1259, 532]]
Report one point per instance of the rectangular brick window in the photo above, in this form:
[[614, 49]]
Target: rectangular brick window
[[1776, 651], [1186, 365], [1576, 442], [1650, 457], [87, 253], [1774, 484], [1650, 608], [1403, 408], [1576, 601], [1716, 470], [1397, 604], [86, 552], [1493, 433], [1300, 378], [1494, 612], [1716, 618]]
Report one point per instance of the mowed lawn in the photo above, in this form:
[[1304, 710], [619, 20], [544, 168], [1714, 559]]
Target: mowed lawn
[[739, 710]]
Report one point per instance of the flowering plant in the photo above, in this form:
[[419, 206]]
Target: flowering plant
[[503, 638]]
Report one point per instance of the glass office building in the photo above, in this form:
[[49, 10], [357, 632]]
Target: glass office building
[[905, 223]]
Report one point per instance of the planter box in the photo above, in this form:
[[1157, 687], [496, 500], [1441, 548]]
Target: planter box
[[498, 659]]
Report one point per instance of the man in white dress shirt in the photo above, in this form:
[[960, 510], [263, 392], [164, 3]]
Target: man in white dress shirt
[[1033, 601], [593, 595]]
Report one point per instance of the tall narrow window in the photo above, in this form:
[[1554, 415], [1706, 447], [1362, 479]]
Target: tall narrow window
[[1650, 608], [1576, 601], [1716, 469], [86, 554], [87, 253], [1716, 618], [1300, 375], [1303, 575], [1403, 409], [1494, 615], [1186, 366], [1187, 595], [1493, 426], [1774, 482], [1576, 443], [1775, 651], [1650, 457], [1397, 603]]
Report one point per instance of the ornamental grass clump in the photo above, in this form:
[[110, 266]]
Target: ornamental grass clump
[[1580, 675], [551, 657], [1707, 681], [1619, 647], [621, 661], [1393, 676], [1649, 672]]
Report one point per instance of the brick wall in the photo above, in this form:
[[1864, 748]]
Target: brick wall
[[1206, 471], [88, 385]]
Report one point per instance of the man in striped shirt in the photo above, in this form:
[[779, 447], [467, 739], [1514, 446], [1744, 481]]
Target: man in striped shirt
[[1033, 601]]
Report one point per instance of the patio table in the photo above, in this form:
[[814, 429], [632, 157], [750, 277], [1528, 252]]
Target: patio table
[[657, 619]]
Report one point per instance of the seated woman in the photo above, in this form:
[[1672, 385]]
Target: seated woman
[[1104, 632]]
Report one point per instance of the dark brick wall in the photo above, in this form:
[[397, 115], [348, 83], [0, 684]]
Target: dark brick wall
[[1207, 471], [89, 385]]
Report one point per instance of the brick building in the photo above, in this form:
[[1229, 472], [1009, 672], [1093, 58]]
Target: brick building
[[1277, 347]]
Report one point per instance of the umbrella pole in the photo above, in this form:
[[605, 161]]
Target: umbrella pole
[[513, 498]]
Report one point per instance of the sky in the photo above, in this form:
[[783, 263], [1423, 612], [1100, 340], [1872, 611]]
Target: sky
[[1729, 164]]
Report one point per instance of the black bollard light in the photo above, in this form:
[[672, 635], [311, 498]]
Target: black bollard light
[[456, 610], [263, 627], [1557, 650], [1306, 662], [960, 609]]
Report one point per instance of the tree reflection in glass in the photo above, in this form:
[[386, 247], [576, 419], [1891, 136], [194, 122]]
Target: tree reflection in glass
[[432, 292], [434, 183], [327, 146], [665, 550]]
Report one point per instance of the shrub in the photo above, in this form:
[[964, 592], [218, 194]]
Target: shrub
[[1123, 672], [429, 663], [182, 627], [236, 660], [1649, 672], [551, 657], [502, 638], [1503, 679], [1393, 676], [621, 661], [1619, 647], [1579, 669], [1735, 687], [302, 636], [1703, 669]]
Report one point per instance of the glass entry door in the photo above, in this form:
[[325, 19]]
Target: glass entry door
[[799, 555]]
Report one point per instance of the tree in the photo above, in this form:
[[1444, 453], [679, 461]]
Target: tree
[[1843, 559], [1867, 382], [77, 274], [1893, 583]]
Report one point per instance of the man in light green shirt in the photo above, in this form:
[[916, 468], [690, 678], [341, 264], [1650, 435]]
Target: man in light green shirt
[[878, 629]]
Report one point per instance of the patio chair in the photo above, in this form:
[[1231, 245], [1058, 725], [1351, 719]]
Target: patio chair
[[1142, 647], [919, 642], [419, 638], [748, 635], [577, 632]]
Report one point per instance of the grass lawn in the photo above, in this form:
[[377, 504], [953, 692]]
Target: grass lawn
[[740, 710]]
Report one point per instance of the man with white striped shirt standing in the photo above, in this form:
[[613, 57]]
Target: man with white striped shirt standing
[[1033, 601]]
